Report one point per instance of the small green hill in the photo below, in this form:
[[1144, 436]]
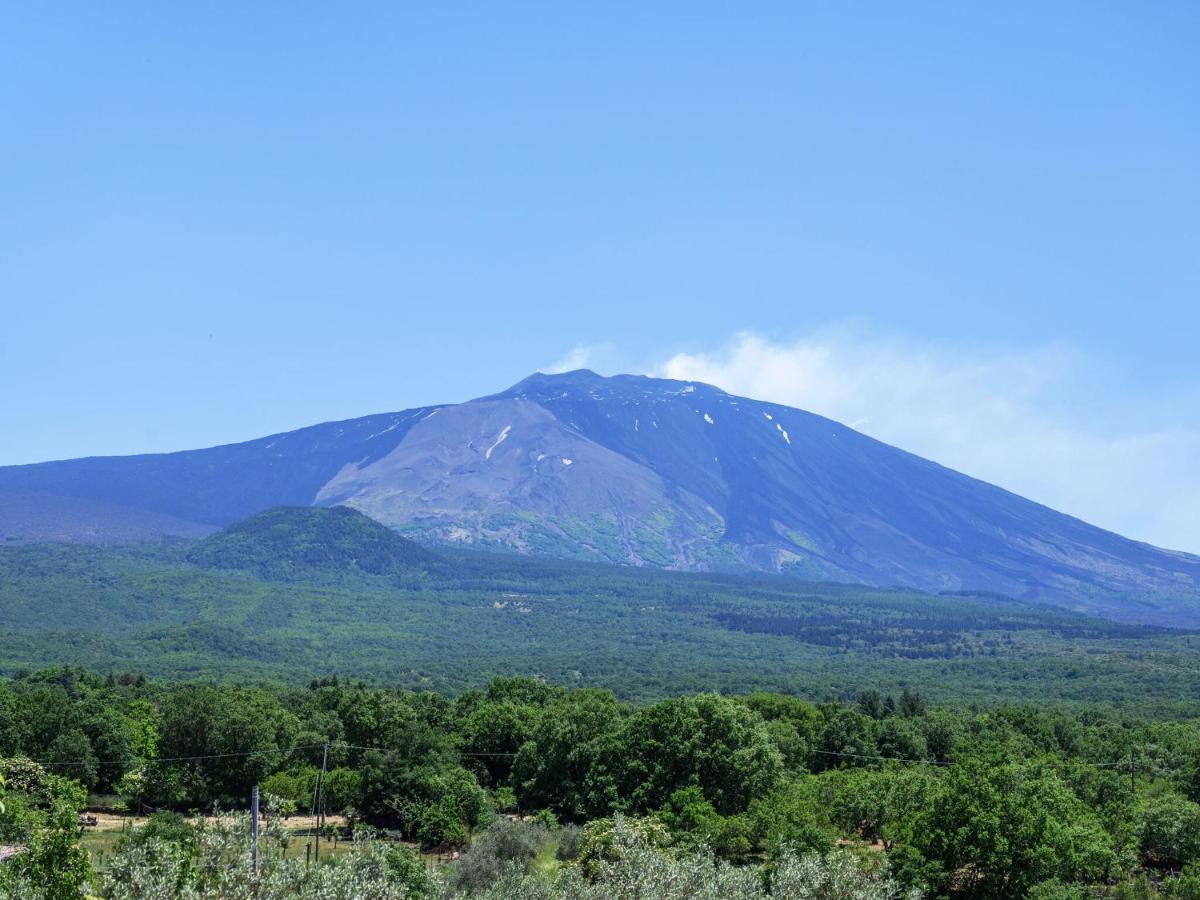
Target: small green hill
[[290, 542]]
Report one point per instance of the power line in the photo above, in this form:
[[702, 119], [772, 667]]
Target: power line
[[1119, 763], [162, 759], [922, 762]]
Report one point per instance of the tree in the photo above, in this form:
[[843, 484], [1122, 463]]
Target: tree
[[901, 739], [235, 733], [845, 739], [875, 804], [789, 817], [437, 804], [565, 766], [997, 830], [706, 741], [691, 819], [1168, 830], [505, 845], [343, 790], [72, 756], [911, 704], [53, 865]]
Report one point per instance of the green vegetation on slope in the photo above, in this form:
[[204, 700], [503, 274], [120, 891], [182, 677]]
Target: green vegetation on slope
[[290, 542], [641, 633]]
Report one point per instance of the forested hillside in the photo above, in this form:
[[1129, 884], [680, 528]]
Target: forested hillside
[[735, 790], [227, 609]]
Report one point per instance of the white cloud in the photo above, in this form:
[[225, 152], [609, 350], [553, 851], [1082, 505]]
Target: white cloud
[[578, 357], [1048, 423]]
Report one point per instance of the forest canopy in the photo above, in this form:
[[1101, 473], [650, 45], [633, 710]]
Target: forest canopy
[[1002, 802]]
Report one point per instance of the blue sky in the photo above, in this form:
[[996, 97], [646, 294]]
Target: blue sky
[[233, 219]]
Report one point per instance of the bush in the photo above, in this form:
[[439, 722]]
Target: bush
[[156, 870], [505, 846], [636, 866], [607, 840], [1186, 886], [53, 865], [1056, 890], [168, 827], [568, 843]]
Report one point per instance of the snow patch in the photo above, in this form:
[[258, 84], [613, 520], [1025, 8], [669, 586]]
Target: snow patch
[[391, 427], [769, 417], [690, 389], [709, 419], [784, 433], [567, 462], [500, 440]]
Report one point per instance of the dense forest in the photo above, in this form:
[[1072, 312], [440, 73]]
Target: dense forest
[[550, 791], [244, 607]]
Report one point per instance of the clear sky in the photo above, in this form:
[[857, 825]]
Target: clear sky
[[970, 228]]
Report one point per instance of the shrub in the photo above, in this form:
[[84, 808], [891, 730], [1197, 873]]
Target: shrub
[[568, 843], [505, 846]]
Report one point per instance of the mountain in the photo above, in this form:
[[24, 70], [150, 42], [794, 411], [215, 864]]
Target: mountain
[[632, 470], [289, 542]]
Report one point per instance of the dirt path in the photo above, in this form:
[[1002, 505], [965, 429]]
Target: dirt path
[[115, 822]]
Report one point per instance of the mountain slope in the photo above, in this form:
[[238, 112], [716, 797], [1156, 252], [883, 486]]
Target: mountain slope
[[645, 633], [641, 471]]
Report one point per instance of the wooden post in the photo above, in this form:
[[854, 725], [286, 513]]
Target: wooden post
[[254, 831]]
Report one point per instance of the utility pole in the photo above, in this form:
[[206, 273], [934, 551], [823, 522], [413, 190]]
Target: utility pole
[[254, 831], [319, 799]]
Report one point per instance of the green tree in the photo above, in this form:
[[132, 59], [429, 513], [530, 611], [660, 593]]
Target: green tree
[[71, 755], [706, 741], [52, 865], [235, 733], [997, 830], [845, 739], [792, 815], [1168, 830], [565, 766]]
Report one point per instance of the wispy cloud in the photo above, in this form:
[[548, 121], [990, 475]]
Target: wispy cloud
[[1048, 423], [600, 357]]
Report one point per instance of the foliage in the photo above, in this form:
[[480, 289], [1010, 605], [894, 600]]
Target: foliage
[[1168, 830], [997, 830], [290, 542], [1003, 800], [157, 869], [52, 865], [643, 634], [635, 864], [505, 847]]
